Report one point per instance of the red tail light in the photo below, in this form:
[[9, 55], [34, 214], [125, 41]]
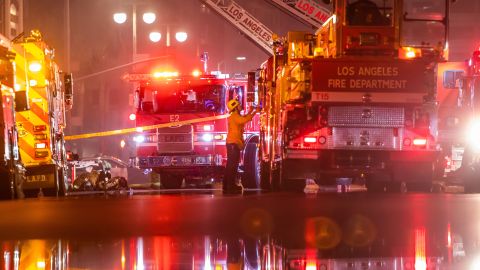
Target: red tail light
[[310, 139], [39, 128]]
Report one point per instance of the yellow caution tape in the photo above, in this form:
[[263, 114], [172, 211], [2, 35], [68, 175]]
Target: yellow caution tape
[[140, 129]]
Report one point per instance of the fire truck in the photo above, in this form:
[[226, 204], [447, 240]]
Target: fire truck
[[11, 169], [458, 116], [41, 99], [190, 145], [356, 102]]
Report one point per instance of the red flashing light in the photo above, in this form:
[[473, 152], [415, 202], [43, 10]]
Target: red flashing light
[[420, 250], [311, 265]]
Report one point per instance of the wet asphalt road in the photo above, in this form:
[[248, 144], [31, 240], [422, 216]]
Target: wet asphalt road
[[284, 215], [357, 224]]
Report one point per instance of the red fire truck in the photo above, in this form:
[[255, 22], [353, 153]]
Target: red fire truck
[[459, 126], [356, 101], [191, 145]]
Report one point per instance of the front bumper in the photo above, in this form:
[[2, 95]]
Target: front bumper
[[315, 164], [178, 161]]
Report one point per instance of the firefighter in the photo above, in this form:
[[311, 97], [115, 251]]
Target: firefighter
[[365, 12], [235, 144]]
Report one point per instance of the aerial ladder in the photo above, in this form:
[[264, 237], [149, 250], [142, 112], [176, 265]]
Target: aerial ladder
[[308, 11], [245, 22]]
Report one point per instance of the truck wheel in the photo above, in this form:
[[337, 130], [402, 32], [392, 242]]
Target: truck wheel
[[171, 181], [294, 185], [154, 179], [6, 191], [470, 179], [251, 166], [265, 176], [61, 182], [375, 183]]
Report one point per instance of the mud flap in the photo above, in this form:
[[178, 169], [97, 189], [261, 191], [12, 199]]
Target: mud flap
[[41, 180]]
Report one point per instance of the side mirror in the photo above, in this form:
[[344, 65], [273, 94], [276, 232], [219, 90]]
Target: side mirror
[[21, 101], [68, 82]]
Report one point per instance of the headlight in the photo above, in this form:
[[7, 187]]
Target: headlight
[[207, 137], [139, 138], [473, 134]]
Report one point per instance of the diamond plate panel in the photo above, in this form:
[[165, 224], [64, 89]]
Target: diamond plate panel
[[365, 138], [365, 116]]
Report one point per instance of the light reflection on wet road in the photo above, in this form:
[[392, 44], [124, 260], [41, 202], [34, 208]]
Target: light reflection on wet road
[[196, 227]]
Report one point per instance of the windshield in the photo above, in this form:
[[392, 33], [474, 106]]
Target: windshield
[[186, 98], [369, 12], [423, 25]]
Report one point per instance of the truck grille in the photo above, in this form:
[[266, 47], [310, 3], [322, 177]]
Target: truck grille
[[365, 116], [175, 139], [365, 138]]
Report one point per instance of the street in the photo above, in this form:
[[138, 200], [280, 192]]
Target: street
[[350, 226]]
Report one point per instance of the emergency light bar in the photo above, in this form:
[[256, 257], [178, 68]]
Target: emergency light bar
[[137, 77]]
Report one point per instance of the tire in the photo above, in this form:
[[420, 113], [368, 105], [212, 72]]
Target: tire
[[251, 166], [171, 181], [471, 180], [294, 185], [61, 183], [6, 190], [265, 176], [375, 183], [154, 180]]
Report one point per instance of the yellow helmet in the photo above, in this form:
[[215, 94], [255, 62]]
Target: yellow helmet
[[232, 104]]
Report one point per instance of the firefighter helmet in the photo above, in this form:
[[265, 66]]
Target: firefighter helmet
[[232, 104]]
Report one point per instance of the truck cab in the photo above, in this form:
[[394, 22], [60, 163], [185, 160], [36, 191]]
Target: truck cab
[[182, 125]]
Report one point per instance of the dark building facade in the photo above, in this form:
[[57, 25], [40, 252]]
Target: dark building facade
[[11, 18]]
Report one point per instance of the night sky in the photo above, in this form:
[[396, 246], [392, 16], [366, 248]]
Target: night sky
[[93, 31]]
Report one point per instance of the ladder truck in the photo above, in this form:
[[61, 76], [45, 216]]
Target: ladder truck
[[42, 97], [356, 103]]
